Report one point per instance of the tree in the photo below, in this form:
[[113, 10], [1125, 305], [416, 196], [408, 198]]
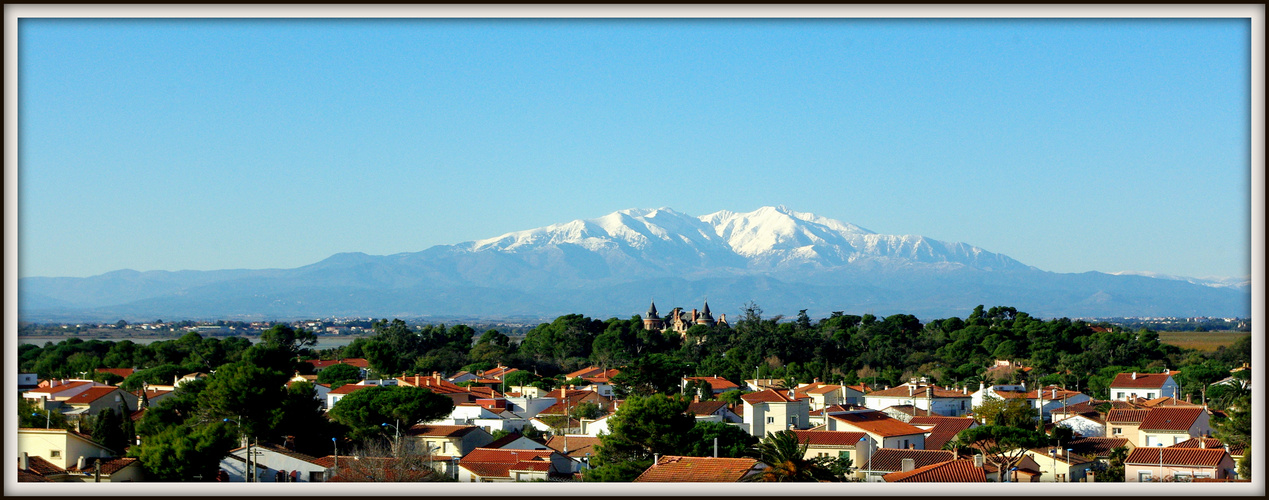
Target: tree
[[1012, 412], [284, 337], [786, 462], [184, 453], [732, 441], [1235, 429], [108, 429], [246, 393], [32, 416], [586, 410], [1003, 445], [1113, 472], [650, 374], [338, 375], [366, 410], [1244, 465], [640, 428], [732, 397], [376, 464]]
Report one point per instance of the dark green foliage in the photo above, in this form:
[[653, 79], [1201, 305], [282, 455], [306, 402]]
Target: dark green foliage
[[1002, 445], [1113, 472], [643, 427], [651, 374], [733, 442], [31, 415], [108, 429], [180, 453], [366, 410], [339, 374], [247, 393], [786, 462]]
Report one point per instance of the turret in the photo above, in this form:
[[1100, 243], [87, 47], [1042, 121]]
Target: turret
[[652, 321]]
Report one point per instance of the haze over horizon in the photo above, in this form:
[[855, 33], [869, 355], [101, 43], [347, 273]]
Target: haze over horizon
[[1071, 145]]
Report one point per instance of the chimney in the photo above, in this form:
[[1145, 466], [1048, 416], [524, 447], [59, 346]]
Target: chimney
[[1134, 375], [912, 446], [910, 390], [965, 390], [1202, 443], [23, 461], [978, 460], [81, 463], [1166, 371], [907, 464], [1187, 397]]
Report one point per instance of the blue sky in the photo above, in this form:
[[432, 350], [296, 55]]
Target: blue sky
[[1070, 145]]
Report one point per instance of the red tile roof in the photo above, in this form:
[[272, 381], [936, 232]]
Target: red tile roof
[[436, 384], [53, 391], [954, 471], [108, 465], [945, 430], [1188, 457], [92, 394], [878, 423], [1235, 450], [767, 396], [349, 388], [39, 465], [1143, 380], [1168, 401], [1117, 416], [891, 459], [319, 364], [676, 469], [705, 407], [918, 391], [829, 438], [1170, 419], [578, 446], [715, 383], [122, 372], [505, 456]]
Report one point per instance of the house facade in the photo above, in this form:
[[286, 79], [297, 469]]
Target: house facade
[[883, 430], [942, 401], [1177, 465], [1129, 386], [773, 411], [1167, 426]]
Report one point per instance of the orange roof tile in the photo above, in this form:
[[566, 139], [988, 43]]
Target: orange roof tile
[[39, 465], [92, 394], [349, 388], [505, 456], [1117, 416], [829, 438], [878, 423], [676, 469], [1189, 457], [954, 471], [891, 459], [715, 383], [108, 465], [1143, 380], [440, 430], [122, 372], [578, 446], [1236, 450], [767, 396], [945, 430], [1170, 419], [705, 407]]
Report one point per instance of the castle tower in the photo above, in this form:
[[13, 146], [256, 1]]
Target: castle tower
[[651, 321], [705, 318]]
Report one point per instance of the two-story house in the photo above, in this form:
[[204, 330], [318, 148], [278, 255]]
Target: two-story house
[[1128, 386], [773, 411]]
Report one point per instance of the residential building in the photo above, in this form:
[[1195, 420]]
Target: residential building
[[1084, 424], [713, 411], [106, 470], [677, 469], [924, 396], [446, 441], [940, 430], [1177, 464], [1125, 424], [953, 471], [836, 444], [1166, 426], [883, 430], [505, 465], [95, 399], [1060, 465], [888, 460], [61, 447], [1128, 386], [1098, 447], [718, 384], [679, 320], [773, 411], [59, 390], [273, 464]]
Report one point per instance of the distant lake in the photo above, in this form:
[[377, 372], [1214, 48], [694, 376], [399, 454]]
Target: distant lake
[[323, 341]]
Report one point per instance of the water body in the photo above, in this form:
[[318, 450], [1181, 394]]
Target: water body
[[323, 341]]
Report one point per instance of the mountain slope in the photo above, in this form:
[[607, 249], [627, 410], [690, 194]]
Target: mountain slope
[[782, 259]]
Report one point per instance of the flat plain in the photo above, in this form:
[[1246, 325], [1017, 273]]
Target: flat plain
[[1203, 341]]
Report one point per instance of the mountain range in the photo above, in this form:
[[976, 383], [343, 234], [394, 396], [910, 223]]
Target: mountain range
[[780, 259]]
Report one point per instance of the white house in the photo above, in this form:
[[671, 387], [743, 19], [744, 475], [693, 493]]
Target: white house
[[883, 430], [1133, 385], [773, 411], [1167, 426], [506, 465], [1088, 424], [60, 447], [943, 401], [274, 464]]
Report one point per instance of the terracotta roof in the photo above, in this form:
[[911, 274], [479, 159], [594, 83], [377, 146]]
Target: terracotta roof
[[878, 423], [1061, 455], [1190, 457], [31, 477], [891, 459], [349, 388], [1126, 416], [1143, 380], [918, 391], [933, 419], [1081, 407], [440, 430], [437, 385], [829, 438], [945, 431], [1168, 401], [705, 407], [767, 396], [954, 471], [824, 389], [92, 394], [1096, 446], [578, 446], [1170, 419], [505, 456], [715, 382], [1209, 443], [324, 363], [122, 372], [39, 465], [498, 372], [676, 469], [52, 391], [108, 465]]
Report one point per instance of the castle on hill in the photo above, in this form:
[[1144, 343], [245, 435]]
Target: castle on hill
[[679, 320]]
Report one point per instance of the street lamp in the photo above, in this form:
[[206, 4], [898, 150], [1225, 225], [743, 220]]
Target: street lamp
[[47, 417], [396, 443], [335, 468]]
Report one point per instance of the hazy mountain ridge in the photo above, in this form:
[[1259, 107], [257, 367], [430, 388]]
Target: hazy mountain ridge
[[611, 265]]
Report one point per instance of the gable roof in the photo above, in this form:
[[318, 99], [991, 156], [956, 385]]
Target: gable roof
[[349, 388], [918, 391], [53, 391], [1167, 401], [878, 423], [1186, 457], [122, 372], [1118, 416], [42, 467], [1209, 443], [945, 430], [1096, 446], [891, 459], [677, 469], [92, 394], [1170, 419], [705, 407], [715, 382], [1143, 380], [768, 396], [829, 438], [505, 456], [952, 471], [578, 446], [108, 465], [282, 451]]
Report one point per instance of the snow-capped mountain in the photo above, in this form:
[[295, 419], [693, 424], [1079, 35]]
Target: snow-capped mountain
[[1239, 282], [611, 265]]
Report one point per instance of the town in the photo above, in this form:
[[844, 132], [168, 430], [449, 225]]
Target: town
[[683, 395]]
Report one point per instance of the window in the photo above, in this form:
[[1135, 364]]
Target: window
[[1149, 395], [843, 455], [770, 420], [1116, 430], [315, 477], [55, 453], [793, 421], [905, 444], [1143, 476], [1119, 395]]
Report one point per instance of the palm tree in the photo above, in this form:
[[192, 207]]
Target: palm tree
[[786, 462]]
